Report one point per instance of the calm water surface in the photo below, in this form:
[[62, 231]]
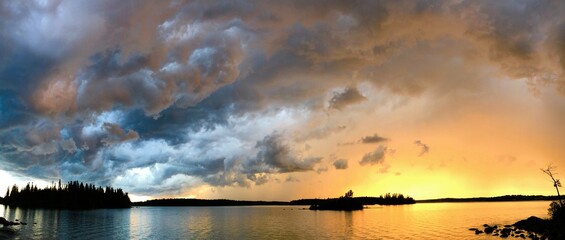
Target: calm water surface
[[418, 221]]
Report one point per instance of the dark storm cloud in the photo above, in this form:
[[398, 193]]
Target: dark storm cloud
[[21, 68], [347, 97], [375, 157], [424, 147], [198, 169], [373, 139], [108, 82], [340, 164], [12, 110]]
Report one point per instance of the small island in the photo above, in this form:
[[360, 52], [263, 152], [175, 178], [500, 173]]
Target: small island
[[348, 203], [345, 202], [73, 195]]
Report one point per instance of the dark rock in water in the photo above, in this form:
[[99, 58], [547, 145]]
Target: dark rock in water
[[505, 232], [478, 231], [496, 234], [473, 229], [486, 225], [489, 230], [5, 222], [533, 224], [533, 236]]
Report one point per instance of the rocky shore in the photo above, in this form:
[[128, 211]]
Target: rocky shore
[[5, 222], [531, 228], [6, 229]]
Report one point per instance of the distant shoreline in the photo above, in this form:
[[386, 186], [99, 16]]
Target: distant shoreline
[[505, 198], [192, 202], [303, 202]]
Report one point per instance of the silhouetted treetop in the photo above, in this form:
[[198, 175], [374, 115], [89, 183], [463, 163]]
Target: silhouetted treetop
[[73, 195]]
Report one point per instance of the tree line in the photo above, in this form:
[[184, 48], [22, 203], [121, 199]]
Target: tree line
[[205, 202], [73, 195], [387, 199], [505, 198], [343, 203]]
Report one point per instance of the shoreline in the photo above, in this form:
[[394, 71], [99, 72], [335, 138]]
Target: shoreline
[[302, 202], [505, 198], [306, 202]]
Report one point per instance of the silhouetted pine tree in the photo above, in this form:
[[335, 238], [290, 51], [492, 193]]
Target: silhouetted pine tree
[[395, 199]]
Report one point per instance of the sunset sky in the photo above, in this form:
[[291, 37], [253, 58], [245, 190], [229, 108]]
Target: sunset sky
[[280, 100]]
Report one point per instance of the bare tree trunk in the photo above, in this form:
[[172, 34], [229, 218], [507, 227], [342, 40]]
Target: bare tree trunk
[[556, 182]]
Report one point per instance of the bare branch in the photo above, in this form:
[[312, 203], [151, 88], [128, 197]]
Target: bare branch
[[556, 183]]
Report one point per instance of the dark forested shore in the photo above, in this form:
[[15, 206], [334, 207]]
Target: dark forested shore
[[505, 198], [73, 195], [388, 199], [205, 202]]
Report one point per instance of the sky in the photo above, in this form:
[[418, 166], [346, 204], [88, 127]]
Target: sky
[[281, 100]]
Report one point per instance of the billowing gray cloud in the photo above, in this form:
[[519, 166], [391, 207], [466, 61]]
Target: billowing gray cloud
[[146, 165], [375, 157], [424, 147], [275, 156], [373, 139], [341, 163]]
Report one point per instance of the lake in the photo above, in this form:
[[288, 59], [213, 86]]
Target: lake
[[417, 221]]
